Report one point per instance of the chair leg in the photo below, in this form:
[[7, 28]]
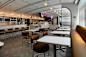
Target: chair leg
[[37, 56], [48, 53], [44, 55], [60, 48], [32, 53]]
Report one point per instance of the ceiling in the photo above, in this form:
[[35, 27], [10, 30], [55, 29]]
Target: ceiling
[[31, 6]]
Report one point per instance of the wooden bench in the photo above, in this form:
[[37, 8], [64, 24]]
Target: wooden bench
[[79, 42]]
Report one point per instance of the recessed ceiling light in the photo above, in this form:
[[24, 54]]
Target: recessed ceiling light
[[45, 4]]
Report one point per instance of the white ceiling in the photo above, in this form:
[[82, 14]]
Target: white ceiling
[[30, 6]]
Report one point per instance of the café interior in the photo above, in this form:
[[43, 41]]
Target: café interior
[[42, 28]]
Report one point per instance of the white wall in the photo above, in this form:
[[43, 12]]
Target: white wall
[[82, 17], [82, 12]]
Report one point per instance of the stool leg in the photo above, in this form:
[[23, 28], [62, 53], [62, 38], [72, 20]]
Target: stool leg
[[37, 56], [48, 53], [44, 55], [32, 53]]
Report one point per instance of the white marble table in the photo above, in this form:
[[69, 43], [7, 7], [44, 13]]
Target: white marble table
[[33, 30], [61, 32], [62, 29], [12, 26], [56, 40]]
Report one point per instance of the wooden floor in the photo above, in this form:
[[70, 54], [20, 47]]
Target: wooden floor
[[15, 47]]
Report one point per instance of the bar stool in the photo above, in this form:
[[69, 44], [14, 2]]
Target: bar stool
[[40, 48]]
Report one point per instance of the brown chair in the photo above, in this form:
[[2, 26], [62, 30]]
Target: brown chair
[[26, 37], [45, 33], [40, 48], [22, 29], [34, 37]]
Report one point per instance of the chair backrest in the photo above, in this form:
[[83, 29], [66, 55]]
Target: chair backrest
[[26, 28], [45, 33], [22, 28], [82, 32], [41, 30], [35, 37]]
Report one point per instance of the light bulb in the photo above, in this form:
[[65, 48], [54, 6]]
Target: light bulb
[[45, 4]]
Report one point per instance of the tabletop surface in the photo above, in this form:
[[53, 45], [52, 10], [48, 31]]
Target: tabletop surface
[[33, 30], [1, 43], [56, 40], [67, 29], [60, 32]]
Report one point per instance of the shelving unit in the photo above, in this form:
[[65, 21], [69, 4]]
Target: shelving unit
[[16, 21]]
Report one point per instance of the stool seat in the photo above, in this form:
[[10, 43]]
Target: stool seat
[[40, 47]]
